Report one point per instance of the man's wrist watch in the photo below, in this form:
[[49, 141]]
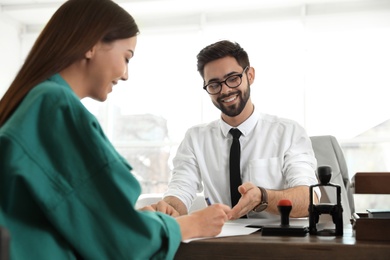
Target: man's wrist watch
[[264, 201]]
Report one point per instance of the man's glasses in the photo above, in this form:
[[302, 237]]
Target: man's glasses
[[232, 81]]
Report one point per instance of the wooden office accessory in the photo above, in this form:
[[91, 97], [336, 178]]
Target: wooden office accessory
[[366, 227], [371, 183], [375, 229]]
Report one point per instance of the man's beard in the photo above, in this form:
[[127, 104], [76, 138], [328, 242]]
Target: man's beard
[[236, 109]]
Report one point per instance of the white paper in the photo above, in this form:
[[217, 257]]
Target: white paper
[[239, 227], [231, 228]]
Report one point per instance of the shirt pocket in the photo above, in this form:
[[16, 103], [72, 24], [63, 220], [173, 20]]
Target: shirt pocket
[[266, 173]]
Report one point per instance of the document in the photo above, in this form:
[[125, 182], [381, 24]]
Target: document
[[241, 227], [231, 228]]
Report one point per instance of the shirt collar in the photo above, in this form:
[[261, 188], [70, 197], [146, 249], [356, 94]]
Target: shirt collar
[[246, 126], [59, 80]]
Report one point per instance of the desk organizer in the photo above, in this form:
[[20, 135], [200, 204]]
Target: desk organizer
[[375, 229]]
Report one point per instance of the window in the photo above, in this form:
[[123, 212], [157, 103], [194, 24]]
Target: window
[[324, 65]]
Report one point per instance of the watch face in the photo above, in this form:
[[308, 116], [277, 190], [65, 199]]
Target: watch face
[[261, 207]]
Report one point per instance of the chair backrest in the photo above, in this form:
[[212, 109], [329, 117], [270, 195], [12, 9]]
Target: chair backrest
[[4, 243], [328, 152]]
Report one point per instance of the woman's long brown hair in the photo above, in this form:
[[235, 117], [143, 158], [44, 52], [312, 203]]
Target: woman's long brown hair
[[73, 30]]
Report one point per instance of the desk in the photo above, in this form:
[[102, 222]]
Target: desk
[[256, 246]]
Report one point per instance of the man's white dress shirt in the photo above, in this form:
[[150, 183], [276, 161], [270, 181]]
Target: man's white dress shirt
[[276, 154]]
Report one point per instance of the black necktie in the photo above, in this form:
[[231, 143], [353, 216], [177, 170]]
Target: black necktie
[[235, 176]]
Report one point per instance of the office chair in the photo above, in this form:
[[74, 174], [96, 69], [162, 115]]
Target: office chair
[[328, 152], [4, 243]]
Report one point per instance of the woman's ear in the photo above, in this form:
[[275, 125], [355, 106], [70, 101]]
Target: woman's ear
[[90, 53]]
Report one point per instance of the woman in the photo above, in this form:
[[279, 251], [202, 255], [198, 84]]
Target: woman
[[65, 192]]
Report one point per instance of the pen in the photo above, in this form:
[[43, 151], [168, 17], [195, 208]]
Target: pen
[[208, 201]]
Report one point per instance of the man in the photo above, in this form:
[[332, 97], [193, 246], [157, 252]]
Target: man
[[276, 162]]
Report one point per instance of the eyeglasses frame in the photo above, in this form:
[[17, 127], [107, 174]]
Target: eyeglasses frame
[[225, 82]]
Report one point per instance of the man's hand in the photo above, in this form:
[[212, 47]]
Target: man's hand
[[251, 194], [250, 198], [163, 207]]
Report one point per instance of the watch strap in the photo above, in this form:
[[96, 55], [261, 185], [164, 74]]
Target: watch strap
[[264, 201]]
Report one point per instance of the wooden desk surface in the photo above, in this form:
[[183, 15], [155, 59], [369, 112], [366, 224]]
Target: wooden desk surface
[[256, 246]]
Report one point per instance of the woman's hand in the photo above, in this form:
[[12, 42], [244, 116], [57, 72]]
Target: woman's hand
[[207, 222]]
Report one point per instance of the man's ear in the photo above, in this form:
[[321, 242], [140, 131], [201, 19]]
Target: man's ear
[[251, 75]]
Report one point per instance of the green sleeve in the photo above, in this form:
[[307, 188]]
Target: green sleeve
[[64, 186]]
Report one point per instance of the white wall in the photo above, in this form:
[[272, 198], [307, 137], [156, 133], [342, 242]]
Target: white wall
[[317, 64], [323, 65], [10, 53]]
